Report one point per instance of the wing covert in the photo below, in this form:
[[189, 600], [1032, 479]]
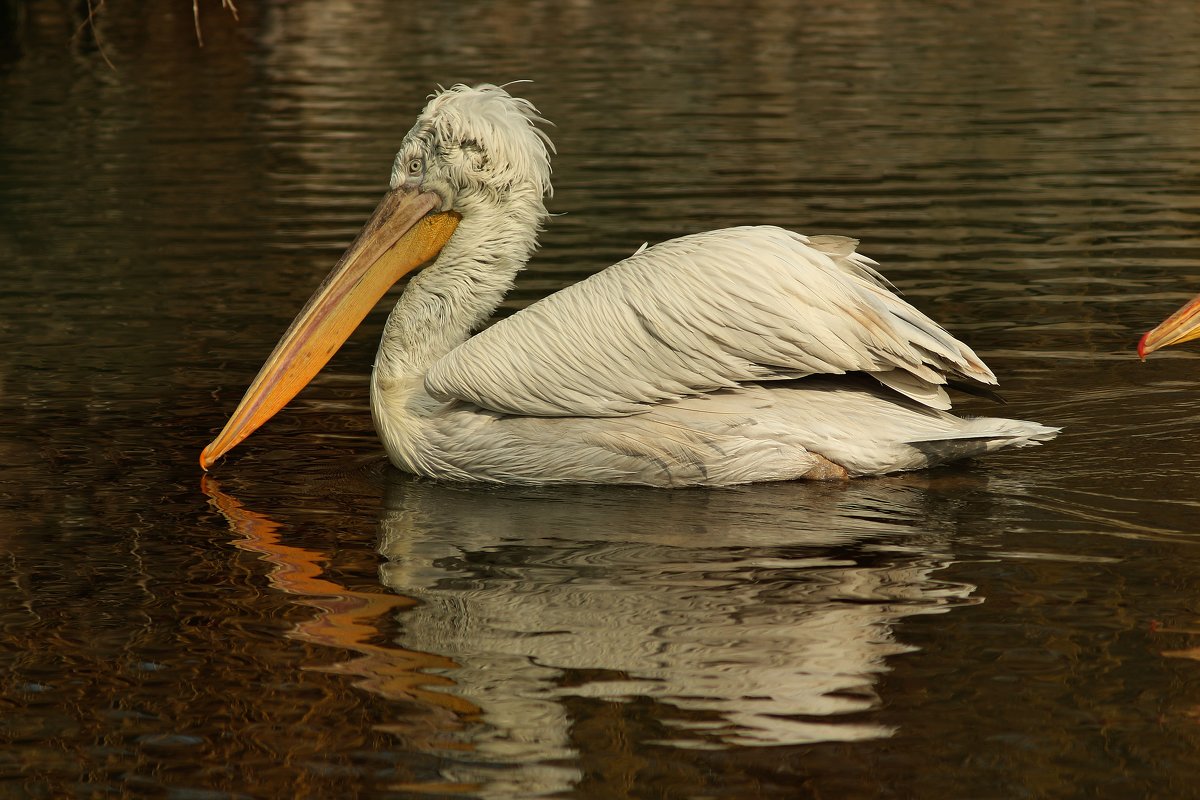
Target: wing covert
[[701, 313]]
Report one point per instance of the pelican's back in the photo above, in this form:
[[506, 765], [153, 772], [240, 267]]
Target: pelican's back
[[700, 313]]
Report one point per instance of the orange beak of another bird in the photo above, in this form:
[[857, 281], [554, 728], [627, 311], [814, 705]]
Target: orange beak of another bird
[[1182, 326], [402, 234]]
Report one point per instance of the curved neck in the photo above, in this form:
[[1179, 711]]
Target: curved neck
[[456, 294]]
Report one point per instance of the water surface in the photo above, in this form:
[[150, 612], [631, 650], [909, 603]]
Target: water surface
[[305, 621]]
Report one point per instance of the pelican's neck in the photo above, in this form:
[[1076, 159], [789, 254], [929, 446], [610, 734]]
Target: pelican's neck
[[456, 294]]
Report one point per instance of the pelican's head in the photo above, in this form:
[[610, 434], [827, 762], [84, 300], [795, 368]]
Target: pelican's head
[[1182, 326], [476, 145], [472, 149]]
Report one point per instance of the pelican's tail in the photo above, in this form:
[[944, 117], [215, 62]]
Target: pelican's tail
[[1012, 432], [873, 432], [981, 435]]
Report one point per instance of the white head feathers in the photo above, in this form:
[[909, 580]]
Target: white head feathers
[[477, 138]]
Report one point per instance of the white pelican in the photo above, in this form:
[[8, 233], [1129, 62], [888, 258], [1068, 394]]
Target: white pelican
[[1182, 326], [726, 357]]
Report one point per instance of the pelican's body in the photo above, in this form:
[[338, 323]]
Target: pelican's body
[[733, 356]]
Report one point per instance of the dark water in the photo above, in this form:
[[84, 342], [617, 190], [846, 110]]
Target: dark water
[[306, 622]]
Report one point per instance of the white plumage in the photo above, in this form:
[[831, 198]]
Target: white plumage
[[702, 313], [726, 357]]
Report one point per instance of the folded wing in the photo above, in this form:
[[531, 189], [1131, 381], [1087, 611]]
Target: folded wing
[[701, 313]]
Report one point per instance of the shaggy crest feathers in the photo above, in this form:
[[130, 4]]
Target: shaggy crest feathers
[[485, 132]]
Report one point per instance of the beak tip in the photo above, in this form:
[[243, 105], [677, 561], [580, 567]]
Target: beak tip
[[1141, 348], [205, 460]]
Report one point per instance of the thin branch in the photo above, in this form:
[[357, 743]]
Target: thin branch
[[196, 16], [91, 21]]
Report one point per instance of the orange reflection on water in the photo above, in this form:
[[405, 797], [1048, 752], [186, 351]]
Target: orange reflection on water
[[345, 620]]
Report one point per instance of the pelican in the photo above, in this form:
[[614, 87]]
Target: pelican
[[727, 357], [1182, 326]]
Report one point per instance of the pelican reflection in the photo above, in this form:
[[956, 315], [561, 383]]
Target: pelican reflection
[[759, 616]]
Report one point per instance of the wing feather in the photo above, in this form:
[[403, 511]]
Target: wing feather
[[701, 313]]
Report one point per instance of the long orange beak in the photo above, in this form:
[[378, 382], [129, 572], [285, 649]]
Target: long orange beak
[[400, 236], [1182, 326]]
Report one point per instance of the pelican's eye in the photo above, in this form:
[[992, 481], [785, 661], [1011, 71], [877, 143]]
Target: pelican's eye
[[416, 166]]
